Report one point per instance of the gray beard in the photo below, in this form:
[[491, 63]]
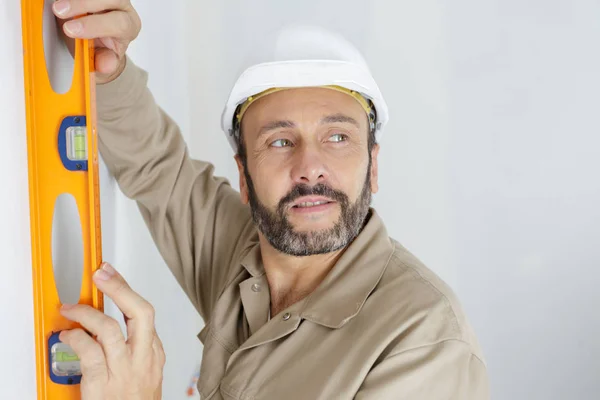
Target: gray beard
[[280, 233]]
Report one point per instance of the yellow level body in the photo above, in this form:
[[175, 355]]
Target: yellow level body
[[48, 178]]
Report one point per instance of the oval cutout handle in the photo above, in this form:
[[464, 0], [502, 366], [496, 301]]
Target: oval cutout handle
[[59, 62], [67, 249]]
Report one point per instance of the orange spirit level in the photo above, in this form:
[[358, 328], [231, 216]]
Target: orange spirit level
[[62, 158]]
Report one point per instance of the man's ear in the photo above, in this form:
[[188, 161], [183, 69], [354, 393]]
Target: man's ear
[[243, 183], [374, 169]]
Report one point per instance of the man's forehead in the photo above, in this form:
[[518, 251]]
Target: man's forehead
[[281, 109], [316, 95]]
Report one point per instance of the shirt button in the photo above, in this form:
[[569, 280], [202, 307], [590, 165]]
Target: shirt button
[[256, 287], [286, 316]]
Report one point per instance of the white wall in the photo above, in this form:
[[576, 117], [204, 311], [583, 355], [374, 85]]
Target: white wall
[[17, 378], [524, 99], [488, 167]]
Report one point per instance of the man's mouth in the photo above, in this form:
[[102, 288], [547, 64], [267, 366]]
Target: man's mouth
[[311, 202]]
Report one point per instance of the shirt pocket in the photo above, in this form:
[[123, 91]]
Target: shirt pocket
[[214, 361]]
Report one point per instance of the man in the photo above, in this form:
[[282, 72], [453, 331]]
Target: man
[[303, 293]]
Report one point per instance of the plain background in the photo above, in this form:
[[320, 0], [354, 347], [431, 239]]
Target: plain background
[[488, 169]]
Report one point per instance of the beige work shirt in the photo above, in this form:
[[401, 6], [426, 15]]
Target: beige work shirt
[[380, 326]]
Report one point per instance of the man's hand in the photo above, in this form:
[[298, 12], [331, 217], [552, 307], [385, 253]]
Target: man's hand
[[112, 367], [113, 24]]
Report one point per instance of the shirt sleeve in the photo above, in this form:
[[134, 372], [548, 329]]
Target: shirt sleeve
[[446, 370], [196, 219]]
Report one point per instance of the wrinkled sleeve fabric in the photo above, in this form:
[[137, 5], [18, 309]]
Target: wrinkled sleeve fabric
[[196, 219], [443, 371]]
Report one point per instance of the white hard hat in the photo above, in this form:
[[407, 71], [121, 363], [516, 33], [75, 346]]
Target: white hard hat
[[303, 56]]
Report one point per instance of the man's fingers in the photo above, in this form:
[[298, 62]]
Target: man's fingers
[[117, 24], [113, 24], [140, 326], [91, 356], [73, 8], [106, 329]]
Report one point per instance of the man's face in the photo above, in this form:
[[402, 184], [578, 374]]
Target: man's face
[[309, 177]]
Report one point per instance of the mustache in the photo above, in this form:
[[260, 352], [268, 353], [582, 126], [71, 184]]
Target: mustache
[[319, 189]]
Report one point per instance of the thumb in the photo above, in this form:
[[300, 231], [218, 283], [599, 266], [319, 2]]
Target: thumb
[[107, 64]]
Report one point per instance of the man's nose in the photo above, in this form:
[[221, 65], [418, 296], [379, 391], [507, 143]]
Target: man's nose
[[309, 167]]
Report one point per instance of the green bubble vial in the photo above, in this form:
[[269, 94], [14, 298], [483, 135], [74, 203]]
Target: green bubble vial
[[77, 143], [64, 361]]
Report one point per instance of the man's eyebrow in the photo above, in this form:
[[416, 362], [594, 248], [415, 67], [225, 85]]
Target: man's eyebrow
[[339, 118], [276, 125], [329, 119]]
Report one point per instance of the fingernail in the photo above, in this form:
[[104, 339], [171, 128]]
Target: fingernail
[[109, 269], [62, 7], [67, 306], [102, 275], [73, 27]]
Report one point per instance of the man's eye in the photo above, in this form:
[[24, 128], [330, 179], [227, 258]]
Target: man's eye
[[281, 143], [338, 137]]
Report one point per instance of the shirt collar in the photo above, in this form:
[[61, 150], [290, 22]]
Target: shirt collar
[[341, 295]]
